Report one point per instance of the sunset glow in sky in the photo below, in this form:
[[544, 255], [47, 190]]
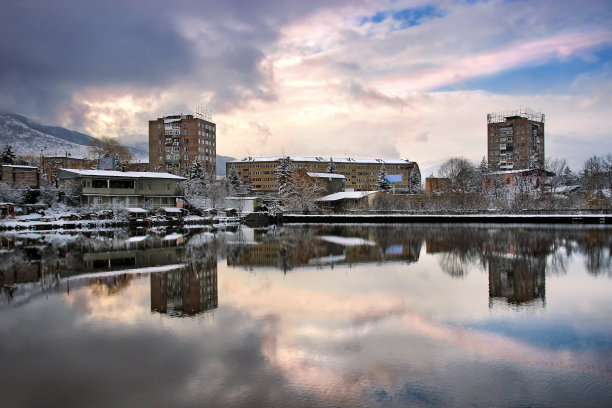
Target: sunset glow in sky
[[358, 78]]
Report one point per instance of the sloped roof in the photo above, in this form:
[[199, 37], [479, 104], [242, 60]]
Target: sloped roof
[[325, 175], [346, 195], [323, 160], [122, 174]]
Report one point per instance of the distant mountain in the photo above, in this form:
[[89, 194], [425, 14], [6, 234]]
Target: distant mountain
[[60, 132], [28, 137], [26, 140], [221, 160]]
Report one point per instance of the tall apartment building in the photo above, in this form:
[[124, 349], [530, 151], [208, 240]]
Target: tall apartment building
[[360, 174], [515, 139], [176, 141]]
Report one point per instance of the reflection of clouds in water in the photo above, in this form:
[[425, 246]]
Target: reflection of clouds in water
[[284, 308], [132, 303]]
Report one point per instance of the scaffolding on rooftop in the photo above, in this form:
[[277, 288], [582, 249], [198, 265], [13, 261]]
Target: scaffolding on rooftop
[[527, 113]]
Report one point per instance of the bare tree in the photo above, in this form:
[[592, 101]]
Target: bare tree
[[110, 147], [461, 173]]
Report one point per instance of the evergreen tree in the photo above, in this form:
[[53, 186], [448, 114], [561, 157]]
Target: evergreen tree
[[283, 175], [8, 157], [233, 179], [331, 168], [196, 172], [382, 182], [415, 181], [484, 167]]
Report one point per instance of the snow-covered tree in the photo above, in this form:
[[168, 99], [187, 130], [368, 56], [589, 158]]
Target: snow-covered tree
[[301, 193], [196, 172], [12, 195], [8, 156], [462, 175], [283, 175], [381, 181], [594, 174], [331, 167], [233, 180], [415, 181], [558, 167]]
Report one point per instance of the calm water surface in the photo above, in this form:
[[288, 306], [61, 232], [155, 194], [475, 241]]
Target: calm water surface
[[376, 316]]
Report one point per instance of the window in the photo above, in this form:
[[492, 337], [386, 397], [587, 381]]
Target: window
[[186, 157], [159, 125], [167, 186], [186, 132], [185, 140], [149, 186]]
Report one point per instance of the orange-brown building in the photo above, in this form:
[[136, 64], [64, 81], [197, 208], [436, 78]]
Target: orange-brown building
[[515, 139], [175, 142], [437, 185], [360, 174]]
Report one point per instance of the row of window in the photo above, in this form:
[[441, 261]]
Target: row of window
[[186, 124]]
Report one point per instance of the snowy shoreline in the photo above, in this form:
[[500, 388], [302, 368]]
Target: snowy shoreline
[[449, 218]]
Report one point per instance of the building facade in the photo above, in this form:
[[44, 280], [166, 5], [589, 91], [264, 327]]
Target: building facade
[[20, 176], [259, 173], [177, 141], [515, 139], [118, 188]]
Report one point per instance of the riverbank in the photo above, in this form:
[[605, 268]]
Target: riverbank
[[446, 219]]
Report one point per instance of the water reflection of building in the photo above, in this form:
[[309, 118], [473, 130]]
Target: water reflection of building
[[519, 280], [188, 291], [312, 250]]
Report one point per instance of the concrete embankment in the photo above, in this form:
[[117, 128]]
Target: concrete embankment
[[446, 219]]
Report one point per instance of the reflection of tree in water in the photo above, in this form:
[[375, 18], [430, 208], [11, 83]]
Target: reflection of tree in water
[[597, 248], [111, 286]]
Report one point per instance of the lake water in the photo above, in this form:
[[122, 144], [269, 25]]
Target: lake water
[[373, 316]]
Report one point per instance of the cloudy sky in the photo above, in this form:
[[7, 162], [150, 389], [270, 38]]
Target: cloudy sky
[[359, 78]]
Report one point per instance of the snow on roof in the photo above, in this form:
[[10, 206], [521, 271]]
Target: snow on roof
[[172, 237], [325, 175], [346, 241], [172, 120], [518, 171], [112, 173], [171, 209], [135, 210], [137, 239], [322, 160], [17, 166], [344, 195]]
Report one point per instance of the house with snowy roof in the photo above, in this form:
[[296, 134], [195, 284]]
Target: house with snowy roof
[[119, 188], [20, 176]]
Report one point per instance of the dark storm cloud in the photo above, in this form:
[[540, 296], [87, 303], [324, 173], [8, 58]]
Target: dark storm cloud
[[51, 49]]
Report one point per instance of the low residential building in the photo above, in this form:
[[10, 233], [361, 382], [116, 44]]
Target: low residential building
[[117, 188], [347, 200], [20, 176], [437, 185], [526, 178], [330, 182], [259, 173]]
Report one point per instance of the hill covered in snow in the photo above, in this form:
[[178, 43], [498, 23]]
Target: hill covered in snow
[[25, 139]]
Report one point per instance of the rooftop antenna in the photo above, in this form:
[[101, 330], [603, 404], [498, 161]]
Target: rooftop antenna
[[203, 113]]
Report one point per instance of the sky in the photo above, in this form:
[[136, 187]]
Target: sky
[[348, 78]]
